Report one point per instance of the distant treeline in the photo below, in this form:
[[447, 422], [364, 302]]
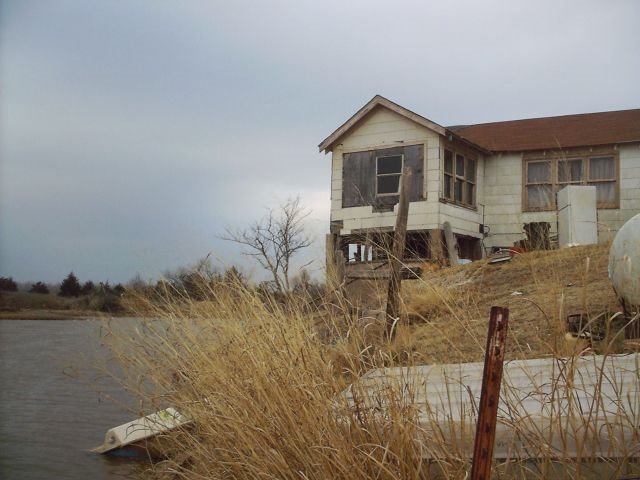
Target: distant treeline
[[197, 282], [69, 287], [86, 296]]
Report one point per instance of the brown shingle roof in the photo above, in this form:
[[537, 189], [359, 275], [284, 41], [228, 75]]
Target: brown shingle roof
[[555, 132]]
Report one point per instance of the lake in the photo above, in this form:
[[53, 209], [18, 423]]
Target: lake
[[55, 404]]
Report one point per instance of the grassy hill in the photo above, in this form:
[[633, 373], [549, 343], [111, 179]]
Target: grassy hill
[[451, 307]]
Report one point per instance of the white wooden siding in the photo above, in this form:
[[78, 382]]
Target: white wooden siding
[[384, 129]]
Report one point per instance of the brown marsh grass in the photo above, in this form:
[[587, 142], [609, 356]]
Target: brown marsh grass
[[263, 380]]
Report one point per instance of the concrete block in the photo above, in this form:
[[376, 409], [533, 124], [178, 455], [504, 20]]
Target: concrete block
[[630, 204], [629, 182]]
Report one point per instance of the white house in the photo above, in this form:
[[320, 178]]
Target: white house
[[487, 180]]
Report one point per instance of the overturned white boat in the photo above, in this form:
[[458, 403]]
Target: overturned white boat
[[574, 408], [132, 439]]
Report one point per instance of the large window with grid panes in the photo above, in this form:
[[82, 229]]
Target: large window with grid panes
[[544, 177], [459, 178]]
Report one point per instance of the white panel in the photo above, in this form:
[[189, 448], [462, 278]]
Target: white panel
[[577, 219]]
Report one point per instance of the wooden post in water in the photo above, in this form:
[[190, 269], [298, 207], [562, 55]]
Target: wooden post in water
[[490, 395], [396, 254]]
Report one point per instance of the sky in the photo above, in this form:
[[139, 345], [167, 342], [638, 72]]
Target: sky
[[132, 133]]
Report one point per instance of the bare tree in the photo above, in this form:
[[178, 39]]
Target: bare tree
[[275, 239]]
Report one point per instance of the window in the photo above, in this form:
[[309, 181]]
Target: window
[[602, 174], [459, 178], [388, 172], [539, 186], [544, 178]]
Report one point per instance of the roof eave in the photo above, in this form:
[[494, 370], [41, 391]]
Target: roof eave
[[451, 135], [378, 101], [563, 147]]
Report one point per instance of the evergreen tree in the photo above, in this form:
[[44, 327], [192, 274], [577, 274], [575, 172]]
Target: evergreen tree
[[70, 286]]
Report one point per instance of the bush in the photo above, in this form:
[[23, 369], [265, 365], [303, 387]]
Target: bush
[[194, 282], [8, 284], [87, 287], [118, 290], [39, 287]]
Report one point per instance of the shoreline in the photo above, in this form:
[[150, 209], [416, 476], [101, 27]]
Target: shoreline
[[44, 314]]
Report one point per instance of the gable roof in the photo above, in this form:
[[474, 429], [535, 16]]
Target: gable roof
[[587, 129], [377, 101]]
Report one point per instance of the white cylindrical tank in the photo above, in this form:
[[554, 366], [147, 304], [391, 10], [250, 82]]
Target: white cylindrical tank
[[624, 262]]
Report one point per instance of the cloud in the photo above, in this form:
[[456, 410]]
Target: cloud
[[133, 133]]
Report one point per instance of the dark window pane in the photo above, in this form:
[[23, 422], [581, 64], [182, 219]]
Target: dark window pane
[[459, 165], [388, 184], [447, 187], [470, 187], [539, 196], [605, 192], [471, 169], [538, 172], [601, 168], [448, 161], [389, 164], [458, 190], [569, 171]]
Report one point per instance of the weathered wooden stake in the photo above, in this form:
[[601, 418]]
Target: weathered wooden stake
[[490, 395], [330, 256], [396, 254], [435, 247], [451, 244]]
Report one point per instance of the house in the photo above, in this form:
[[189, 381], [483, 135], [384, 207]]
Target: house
[[483, 182]]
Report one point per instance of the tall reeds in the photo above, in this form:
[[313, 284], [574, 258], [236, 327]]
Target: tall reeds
[[265, 383]]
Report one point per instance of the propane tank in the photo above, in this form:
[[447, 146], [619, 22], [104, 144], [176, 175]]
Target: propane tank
[[624, 265]]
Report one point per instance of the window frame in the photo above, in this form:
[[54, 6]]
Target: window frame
[[467, 179], [526, 184], [556, 185], [399, 174]]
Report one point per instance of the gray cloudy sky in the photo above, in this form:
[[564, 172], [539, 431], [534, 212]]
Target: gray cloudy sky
[[132, 132]]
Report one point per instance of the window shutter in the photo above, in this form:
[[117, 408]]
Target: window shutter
[[414, 159], [358, 178]]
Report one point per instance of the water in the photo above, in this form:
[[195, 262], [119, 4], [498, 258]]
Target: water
[[53, 402]]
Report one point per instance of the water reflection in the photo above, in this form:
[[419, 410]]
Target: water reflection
[[55, 406]]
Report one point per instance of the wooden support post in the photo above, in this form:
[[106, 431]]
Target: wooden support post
[[340, 270], [490, 395], [396, 254], [367, 246], [435, 246], [451, 244], [330, 255]]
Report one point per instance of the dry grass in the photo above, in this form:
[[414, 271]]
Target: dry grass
[[540, 289], [262, 380], [262, 391]]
